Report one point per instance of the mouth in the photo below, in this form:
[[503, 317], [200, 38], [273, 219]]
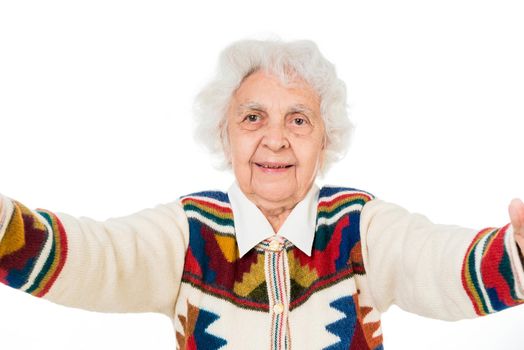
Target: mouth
[[269, 166]]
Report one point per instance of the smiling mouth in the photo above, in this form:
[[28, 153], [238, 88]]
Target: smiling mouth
[[273, 166]]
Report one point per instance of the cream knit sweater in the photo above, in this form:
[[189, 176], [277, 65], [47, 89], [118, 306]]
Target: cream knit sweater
[[150, 261]]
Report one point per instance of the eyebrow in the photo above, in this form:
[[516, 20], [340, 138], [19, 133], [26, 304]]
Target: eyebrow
[[251, 105], [300, 108]]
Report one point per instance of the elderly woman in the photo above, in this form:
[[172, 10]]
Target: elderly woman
[[275, 262]]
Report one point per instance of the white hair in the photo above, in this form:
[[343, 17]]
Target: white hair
[[285, 60]]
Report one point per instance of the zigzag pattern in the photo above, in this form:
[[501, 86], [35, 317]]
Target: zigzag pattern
[[195, 326], [212, 259], [336, 251], [213, 264], [353, 333], [344, 328]]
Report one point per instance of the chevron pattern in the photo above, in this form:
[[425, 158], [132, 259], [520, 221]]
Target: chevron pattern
[[195, 334]]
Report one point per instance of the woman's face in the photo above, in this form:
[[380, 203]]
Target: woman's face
[[276, 139]]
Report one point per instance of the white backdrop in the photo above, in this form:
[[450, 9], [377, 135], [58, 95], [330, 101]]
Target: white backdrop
[[95, 120]]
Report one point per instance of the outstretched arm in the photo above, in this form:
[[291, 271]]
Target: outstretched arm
[[440, 271], [127, 264]]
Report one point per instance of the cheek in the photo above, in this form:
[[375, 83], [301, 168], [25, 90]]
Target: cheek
[[242, 150], [311, 157]]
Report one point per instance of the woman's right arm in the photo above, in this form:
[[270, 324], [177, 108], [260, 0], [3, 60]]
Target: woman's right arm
[[439, 271], [127, 264]]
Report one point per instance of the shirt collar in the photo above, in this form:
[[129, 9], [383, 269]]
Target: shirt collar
[[252, 227]]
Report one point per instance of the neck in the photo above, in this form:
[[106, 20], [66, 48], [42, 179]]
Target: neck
[[275, 211], [276, 216]]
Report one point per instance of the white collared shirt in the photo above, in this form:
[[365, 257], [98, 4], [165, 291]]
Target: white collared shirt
[[252, 227]]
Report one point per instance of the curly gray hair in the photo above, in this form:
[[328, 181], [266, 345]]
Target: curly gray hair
[[285, 60]]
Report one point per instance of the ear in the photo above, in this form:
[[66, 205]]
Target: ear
[[224, 140], [322, 156], [324, 142]]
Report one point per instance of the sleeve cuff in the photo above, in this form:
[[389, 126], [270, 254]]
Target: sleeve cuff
[[493, 275]]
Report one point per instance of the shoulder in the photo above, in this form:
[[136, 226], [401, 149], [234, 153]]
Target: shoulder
[[331, 193], [212, 204], [335, 201], [213, 196]]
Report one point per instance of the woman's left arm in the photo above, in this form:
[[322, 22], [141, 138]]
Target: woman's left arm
[[441, 271]]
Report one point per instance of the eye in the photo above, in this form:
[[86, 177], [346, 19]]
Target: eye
[[299, 124], [252, 118], [299, 121]]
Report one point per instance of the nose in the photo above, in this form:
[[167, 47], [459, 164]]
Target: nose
[[275, 137]]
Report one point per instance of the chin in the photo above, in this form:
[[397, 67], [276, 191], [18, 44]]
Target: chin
[[277, 194]]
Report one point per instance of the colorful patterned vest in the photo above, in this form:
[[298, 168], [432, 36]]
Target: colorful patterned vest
[[271, 299]]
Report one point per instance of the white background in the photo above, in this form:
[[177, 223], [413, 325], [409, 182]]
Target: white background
[[95, 120]]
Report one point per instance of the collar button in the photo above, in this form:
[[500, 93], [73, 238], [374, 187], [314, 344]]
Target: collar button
[[275, 245]]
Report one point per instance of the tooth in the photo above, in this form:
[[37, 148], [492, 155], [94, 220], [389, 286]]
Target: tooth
[[268, 166]]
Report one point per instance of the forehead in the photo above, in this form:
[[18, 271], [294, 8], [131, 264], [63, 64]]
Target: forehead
[[266, 88]]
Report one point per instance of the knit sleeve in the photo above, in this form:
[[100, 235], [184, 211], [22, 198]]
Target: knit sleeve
[[439, 271], [126, 264]]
